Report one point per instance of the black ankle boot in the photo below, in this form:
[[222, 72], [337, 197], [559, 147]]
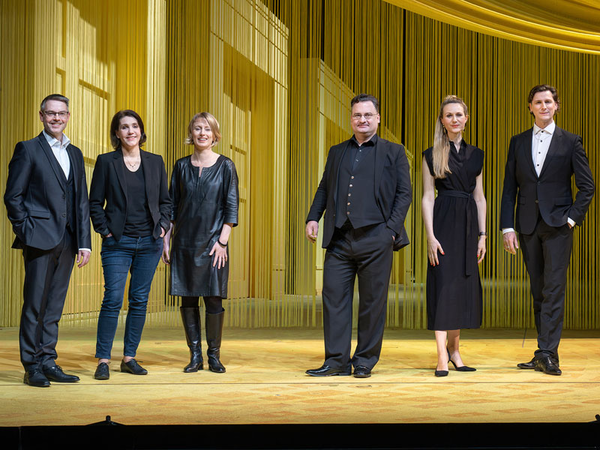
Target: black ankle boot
[[191, 324], [214, 332]]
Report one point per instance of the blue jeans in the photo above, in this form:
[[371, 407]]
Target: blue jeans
[[139, 256]]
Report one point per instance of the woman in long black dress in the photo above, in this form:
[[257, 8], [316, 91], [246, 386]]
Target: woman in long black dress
[[455, 226], [204, 191]]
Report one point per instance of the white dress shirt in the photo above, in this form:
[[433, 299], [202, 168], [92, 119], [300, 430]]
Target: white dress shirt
[[60, 151]]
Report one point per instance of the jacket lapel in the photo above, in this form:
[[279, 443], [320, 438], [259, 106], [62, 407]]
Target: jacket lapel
[[554, 146], [336, 167], [527, 150], [147, 175], [120, 170], [53, 161]]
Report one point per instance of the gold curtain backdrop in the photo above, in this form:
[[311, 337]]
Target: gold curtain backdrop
[[279, 76]]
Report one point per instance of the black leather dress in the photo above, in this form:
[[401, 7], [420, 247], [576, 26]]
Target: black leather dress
[[201, 205]]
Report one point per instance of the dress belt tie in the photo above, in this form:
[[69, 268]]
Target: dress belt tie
[[472, 228]]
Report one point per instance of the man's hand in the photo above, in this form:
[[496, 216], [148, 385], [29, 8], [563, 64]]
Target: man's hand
[[511, 244], [312, 230], [83, 257]]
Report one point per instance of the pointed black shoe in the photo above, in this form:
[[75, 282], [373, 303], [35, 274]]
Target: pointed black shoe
[[441, 373], [190, 317], [461, 368], [55, 373], [527, 365], [328, 371], [548, 366], [133, 367]]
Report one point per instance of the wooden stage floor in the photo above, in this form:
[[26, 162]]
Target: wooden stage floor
[[265, 382]]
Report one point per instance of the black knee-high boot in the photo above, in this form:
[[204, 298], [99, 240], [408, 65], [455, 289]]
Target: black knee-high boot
[[214, 332], [191, 324]]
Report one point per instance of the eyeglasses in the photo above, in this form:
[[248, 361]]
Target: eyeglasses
[[367, 116], [59, 114]]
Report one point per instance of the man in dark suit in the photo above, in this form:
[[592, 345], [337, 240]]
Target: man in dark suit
[[47, 202], [365, 193], [541, 162]]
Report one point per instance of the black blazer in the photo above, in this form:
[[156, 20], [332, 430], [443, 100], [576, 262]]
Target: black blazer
[[108, 193], [549, 194], [35, 196], [393, 190]]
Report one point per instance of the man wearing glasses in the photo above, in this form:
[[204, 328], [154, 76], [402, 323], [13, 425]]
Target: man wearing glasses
[[47, 202], [365, 193]]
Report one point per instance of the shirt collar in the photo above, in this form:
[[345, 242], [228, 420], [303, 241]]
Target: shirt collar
[[53, 142], [372, 142], [549, 129]]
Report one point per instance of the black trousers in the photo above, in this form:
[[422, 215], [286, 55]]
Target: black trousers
[[47, 274], [367, 253], [547, 253]]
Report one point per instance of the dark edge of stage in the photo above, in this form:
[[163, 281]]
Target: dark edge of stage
[[109, 435]]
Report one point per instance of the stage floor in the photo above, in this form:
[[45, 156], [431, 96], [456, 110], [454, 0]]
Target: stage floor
[[265, 382]]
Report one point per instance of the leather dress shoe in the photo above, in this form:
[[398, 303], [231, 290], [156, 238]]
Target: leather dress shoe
[[133, 367], [55, 373], [36, 378], [527, 365], [102, 372], [547, 365], [362, 372], [327, 371]]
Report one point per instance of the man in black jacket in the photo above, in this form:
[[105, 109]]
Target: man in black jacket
[[541, 162], [47, 202], [365, 193]]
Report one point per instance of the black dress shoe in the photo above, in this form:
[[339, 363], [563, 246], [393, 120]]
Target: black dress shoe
[[527, 365], [55, 373], [36, 378], [327, 371], [362, 372], [547, 365], [102, 372], [133, 367]]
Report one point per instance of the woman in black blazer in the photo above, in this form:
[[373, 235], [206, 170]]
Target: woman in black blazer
[[130, 207]]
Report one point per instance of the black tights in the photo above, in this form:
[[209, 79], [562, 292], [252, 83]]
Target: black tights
[[212, 305]]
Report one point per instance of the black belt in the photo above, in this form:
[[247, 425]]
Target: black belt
[[472, 228]]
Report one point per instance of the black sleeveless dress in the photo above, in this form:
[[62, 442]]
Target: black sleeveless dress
[[454, 294]]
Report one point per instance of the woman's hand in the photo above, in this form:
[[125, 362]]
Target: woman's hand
[[481, 249], [219, 255], [433, 247]]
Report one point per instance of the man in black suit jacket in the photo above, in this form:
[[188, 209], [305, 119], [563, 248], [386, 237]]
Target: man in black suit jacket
[[541, 162], [365, 193], [47, 202]]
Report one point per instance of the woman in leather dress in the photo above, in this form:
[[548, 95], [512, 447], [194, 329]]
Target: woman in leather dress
[[204, 191]]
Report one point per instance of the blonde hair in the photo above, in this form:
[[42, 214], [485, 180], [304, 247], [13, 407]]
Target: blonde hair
[[213, 123], [441, 142]]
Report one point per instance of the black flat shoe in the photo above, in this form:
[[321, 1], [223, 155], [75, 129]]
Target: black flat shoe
[[36, 378], [461, 368], [133, 367], [548, 366], [327, 371], [362, 372], [527, 365], [102, 372], [55, 373]]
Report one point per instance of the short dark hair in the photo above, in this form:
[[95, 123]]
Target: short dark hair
[[58, 97], [365, 98], [116, 121], [543, 88]]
